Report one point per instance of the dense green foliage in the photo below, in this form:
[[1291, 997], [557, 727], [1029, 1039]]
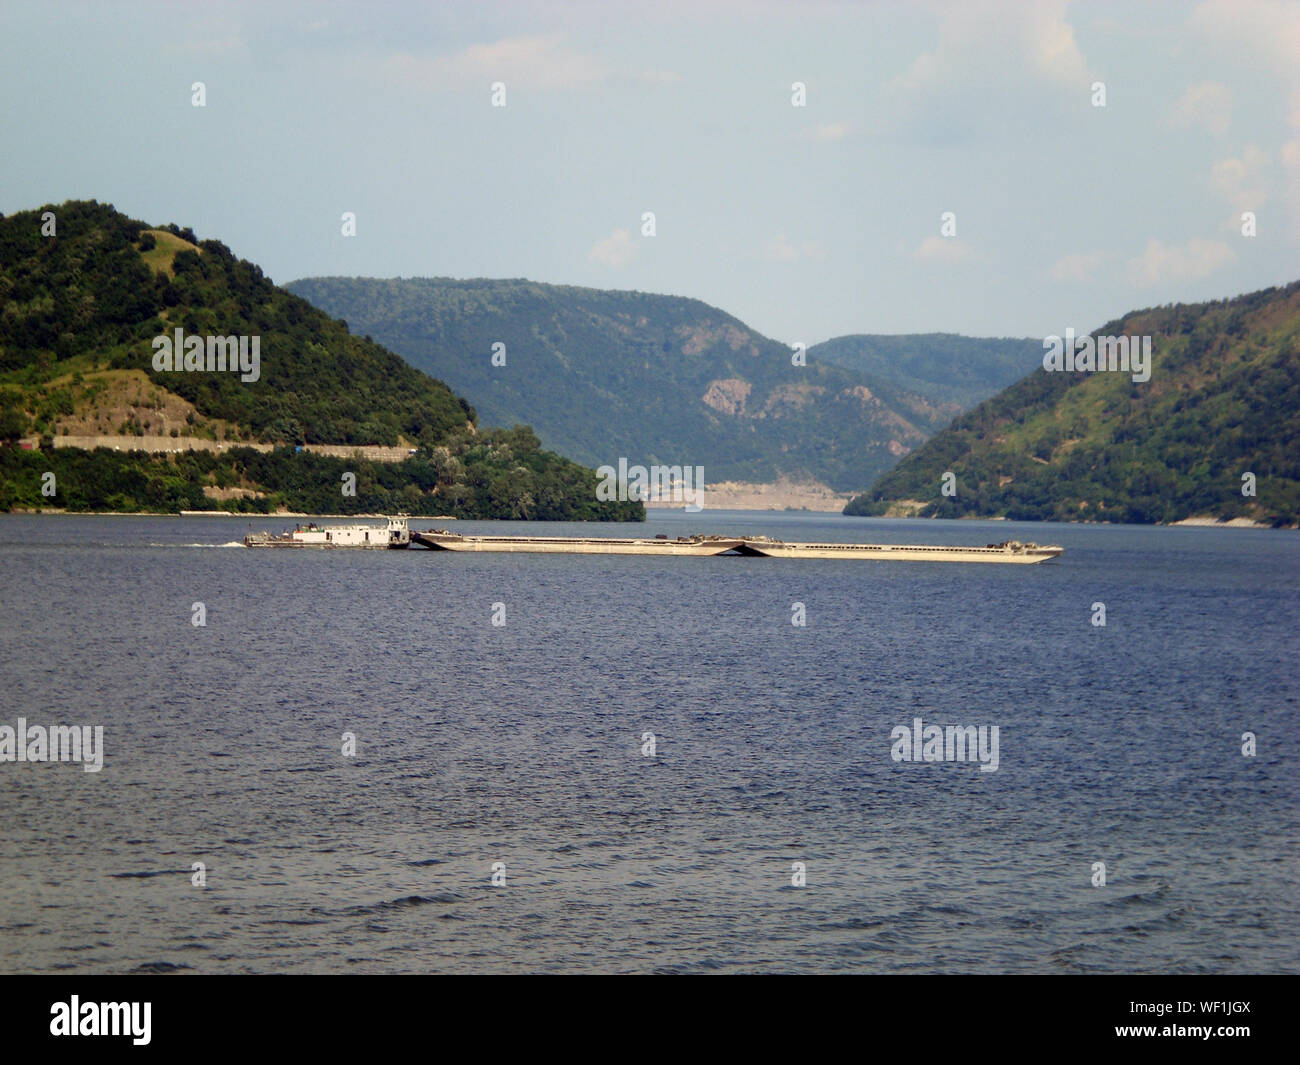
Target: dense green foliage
[[96, 294], [497, 473], [1223, 400], [953, 372], [655, 379], [88, 289]]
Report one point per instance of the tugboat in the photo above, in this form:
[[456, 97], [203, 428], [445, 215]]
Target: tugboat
[[394, 534]]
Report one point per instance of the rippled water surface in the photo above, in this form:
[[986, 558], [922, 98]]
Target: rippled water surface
[[522, 744]]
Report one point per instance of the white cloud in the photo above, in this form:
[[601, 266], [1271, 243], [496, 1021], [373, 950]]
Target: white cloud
[[1208, 103], [944, 250], [1268, 31], [1291, 183], [615, 251], [210, 35], [783, 250], [1079, 267], [1266, 35], [1192, 261], [540, 62], [1049, 42], [1243, 182], [780, 250], [984, 42], [660, 77], [1000, 71], [830, 131]]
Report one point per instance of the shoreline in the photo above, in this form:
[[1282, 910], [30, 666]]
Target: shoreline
[[1199, 522], [1219, 523], [55, 512], [780, 496]]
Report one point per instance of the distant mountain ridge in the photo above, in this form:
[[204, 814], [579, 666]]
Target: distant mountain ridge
[[1214, 432], [952, 371], [659, 379]]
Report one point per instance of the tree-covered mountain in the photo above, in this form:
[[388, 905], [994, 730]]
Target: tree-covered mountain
[[99, 288], [658, 379], [1222, 403], [495, 473], [85, 295], [951, 371]]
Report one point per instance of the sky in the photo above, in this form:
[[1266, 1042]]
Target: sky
[[949, 170]]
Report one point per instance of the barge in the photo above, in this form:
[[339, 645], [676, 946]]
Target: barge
[[441, 540], [396, 534], [1012, 551]]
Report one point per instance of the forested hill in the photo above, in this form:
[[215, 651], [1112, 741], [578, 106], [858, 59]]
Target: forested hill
[[659, 379], [948, 369], [104, 285], [86, 293], [1219, 414]]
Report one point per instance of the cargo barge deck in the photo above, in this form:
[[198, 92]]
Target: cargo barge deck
[[395, 534], [1010, 551]]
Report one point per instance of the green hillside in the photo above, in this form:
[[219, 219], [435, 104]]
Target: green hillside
[[92, 290], [1223, 400], [658, 379], [951, 371], [79, 314], [497, 473]]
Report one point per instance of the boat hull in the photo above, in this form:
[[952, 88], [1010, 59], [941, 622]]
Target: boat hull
[[256, 540], [396, 535], [1024, 555], [1011, 552], [555, 545]]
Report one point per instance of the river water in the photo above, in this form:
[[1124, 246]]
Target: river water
[[519, 751]]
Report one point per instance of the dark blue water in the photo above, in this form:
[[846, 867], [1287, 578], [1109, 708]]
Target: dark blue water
[[521, 744]]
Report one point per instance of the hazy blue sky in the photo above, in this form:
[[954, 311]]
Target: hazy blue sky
[[805, 222]]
